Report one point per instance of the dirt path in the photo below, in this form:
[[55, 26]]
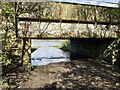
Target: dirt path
[[77, 75]]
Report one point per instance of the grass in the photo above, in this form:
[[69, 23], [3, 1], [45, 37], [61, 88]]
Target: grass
[[64, 46], [56, 46], [35, 48]]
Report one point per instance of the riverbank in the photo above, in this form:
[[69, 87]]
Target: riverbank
[[82, 74]]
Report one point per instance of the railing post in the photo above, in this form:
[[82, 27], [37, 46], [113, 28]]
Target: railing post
[[16, 22]]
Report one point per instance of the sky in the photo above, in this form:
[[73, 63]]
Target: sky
[[108, 3]]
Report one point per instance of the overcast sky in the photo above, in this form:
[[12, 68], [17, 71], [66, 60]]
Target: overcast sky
[[108, 3]]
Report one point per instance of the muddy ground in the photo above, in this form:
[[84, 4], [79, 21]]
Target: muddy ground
[[84, 74]]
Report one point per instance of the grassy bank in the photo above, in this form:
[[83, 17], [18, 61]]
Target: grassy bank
[[65, 46], [35, 48]]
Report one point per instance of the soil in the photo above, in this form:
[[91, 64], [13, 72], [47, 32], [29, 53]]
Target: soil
[[84, 74]]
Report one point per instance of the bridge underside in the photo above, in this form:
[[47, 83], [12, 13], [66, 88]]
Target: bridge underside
[[92, 48]]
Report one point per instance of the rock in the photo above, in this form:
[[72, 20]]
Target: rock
[[63, 87], [79, 76], [97, 78], [117, 84], [93, 84]]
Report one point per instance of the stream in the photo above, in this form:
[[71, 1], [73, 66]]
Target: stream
[[47, 53]]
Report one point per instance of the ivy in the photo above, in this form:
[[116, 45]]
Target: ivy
[[5, 59]]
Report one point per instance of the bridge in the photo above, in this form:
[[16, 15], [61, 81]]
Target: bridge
[[53, 20], [63, 13]]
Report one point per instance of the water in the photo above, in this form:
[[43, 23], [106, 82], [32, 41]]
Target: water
[[47, 54]]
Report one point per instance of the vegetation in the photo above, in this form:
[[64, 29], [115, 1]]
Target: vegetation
[[34, 48], [16, 52], [12, 51], [65, 45]]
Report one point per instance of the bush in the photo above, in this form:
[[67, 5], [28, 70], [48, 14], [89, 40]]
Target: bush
[[65, 45]]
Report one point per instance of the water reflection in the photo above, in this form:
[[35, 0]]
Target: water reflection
[[47, 53]]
